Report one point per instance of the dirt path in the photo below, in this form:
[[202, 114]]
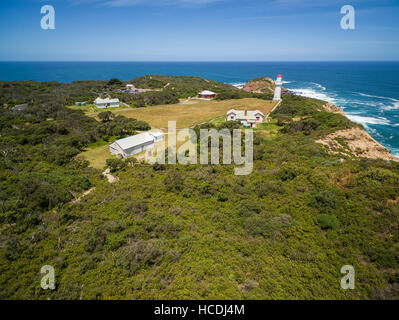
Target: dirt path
[[274, 108], [84, 194], [109, 176]]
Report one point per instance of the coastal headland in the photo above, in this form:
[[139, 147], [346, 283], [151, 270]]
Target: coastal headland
[[322, 195]]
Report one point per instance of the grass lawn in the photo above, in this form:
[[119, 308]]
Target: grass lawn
[[98, 153], [188, 115], [92, 110], [89, 108], [267, 129], [97, 156]]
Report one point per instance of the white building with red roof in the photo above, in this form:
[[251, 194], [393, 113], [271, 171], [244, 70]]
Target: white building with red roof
[[277, 89], [248, 118]]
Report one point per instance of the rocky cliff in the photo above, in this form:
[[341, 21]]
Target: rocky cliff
[[355, 141], [262, 85]]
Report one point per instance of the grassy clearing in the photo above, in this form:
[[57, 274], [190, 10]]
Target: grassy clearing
[[97, 156], [188, 115], [92, 110]]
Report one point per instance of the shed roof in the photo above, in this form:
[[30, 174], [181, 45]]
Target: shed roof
[[134, 141], [107, 100], [156, 134], [207, 92]]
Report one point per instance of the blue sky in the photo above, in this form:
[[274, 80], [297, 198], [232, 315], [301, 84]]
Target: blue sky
[[199, 30]]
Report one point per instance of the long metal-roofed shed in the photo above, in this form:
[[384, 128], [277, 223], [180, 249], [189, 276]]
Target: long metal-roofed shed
[[135, 144]]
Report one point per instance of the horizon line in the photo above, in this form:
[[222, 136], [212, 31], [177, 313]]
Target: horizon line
[[198, 61]]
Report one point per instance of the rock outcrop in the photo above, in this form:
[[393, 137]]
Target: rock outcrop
[[333, 109], [260, 85], [356, 141]]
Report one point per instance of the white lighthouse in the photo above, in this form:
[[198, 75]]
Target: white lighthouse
[[277, 90]]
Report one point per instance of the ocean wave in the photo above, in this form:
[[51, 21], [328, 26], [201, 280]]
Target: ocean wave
[[239, 85], [320, 86], [394, 106], [287, 82], [378, 97], [368, 120], [311, 93], [393, 103]]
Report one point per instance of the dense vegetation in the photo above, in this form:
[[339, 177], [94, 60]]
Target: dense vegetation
[[183, 232], [34, 93], [38, 149], [166, 90]]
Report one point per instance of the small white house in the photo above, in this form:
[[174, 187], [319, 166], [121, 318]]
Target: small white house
[[206, 94], [248, 118], [135, 144], [106, 103]]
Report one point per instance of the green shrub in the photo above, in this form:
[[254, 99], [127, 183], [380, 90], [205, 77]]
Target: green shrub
[[265, 188], [325, 201], [328, 221], [116, 164], [114, 81], [267, 226], [173, 182], [114, 241], [248, 208], [377, 177], [137, 255]]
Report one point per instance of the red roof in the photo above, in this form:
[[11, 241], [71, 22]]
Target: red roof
[[279, 76]]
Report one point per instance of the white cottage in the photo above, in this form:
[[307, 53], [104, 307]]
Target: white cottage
[[206, 94], [135, 144], [106, 103], [248, 118]]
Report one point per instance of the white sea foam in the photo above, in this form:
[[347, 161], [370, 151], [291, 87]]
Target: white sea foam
[[378, 97], [394, 106], [287, 82], [386, 106], [368, 104], [368, 120], [310, 93], [238, 85], [320, 86]]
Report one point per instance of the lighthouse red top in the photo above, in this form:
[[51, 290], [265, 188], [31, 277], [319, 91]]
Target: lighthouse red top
[[279, 76]]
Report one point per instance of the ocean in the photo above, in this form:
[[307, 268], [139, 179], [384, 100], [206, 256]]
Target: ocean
[[368, 92]]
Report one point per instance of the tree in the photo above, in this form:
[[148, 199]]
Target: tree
[[328, 221], [105, 116], [114, 81]]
